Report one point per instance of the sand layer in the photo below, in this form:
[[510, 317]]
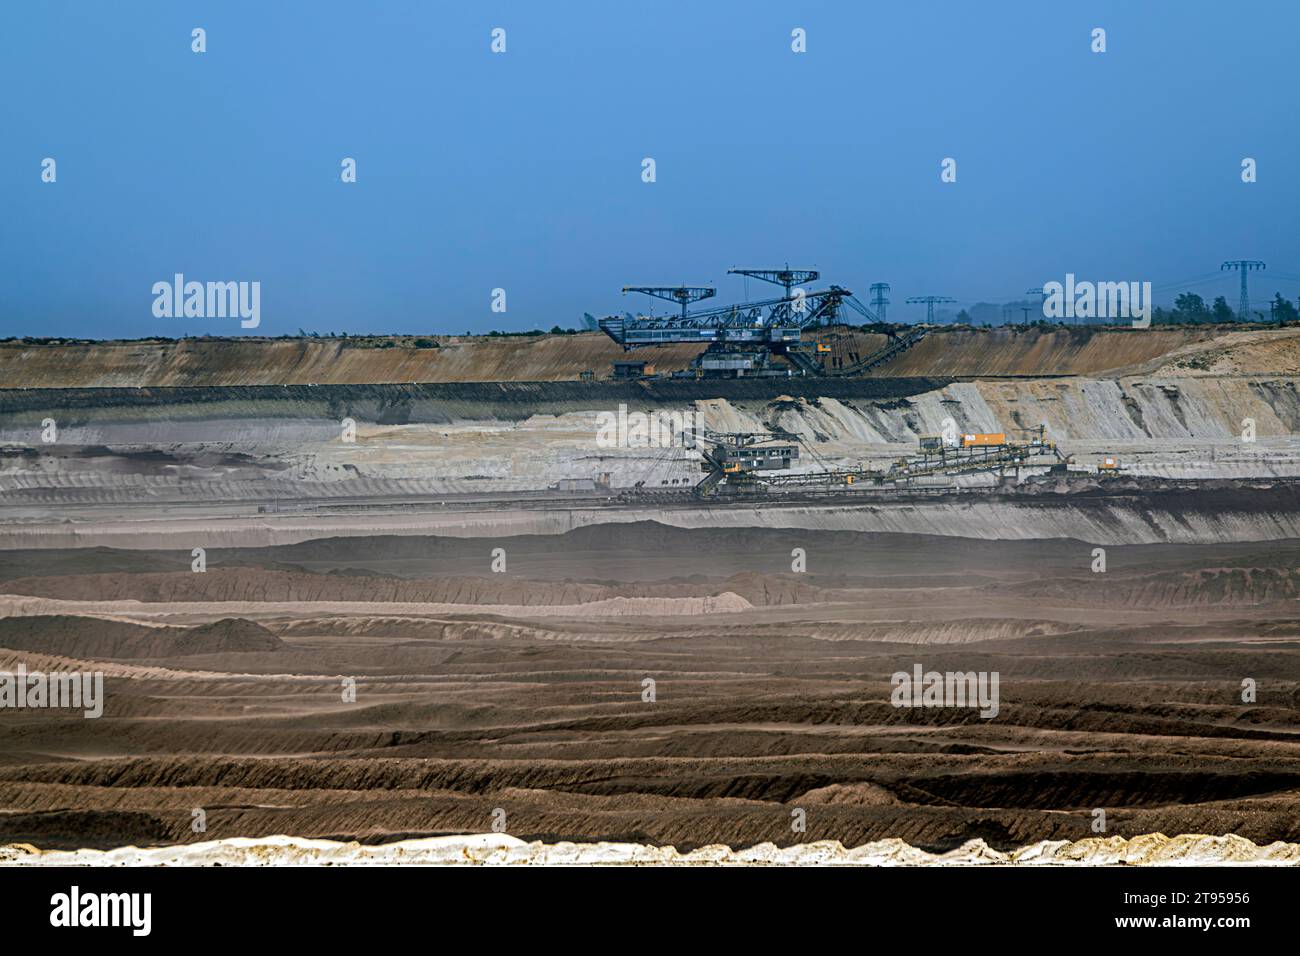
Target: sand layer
[[492, 849]]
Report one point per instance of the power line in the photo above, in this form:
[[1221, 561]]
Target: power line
[[1190, 280]]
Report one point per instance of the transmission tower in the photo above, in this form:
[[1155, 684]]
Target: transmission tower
[[684, 294], [928, 301], [786, 277], [879, 298], [1243, 266]]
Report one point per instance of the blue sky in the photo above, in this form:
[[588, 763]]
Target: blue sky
[[523, 170]]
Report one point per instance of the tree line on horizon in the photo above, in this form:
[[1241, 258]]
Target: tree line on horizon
[[1188, 309]]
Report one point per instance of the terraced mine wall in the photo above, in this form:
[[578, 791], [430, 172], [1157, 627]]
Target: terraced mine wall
[[1128, 409], [871, 411], [957, 352], [411, 404]]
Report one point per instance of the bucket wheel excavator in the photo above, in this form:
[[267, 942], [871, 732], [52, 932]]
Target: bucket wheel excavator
[[742, 339]]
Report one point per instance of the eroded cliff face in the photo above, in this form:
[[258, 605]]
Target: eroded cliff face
[[1127, 409], [225, 442], [282, 445], [547, 358], [255, 361], [864, 411]]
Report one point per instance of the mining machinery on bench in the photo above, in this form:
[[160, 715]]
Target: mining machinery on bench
[[741, 339], [972, 453], [744, 462], [748, 463]]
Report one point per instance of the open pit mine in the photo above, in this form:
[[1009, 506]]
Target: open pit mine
[[542, 598]]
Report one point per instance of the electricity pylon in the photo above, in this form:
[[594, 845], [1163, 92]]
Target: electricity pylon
[[879, 298], [1243, 266], [929, 301]]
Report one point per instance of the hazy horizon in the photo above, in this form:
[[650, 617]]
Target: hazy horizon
[[522, 170]]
